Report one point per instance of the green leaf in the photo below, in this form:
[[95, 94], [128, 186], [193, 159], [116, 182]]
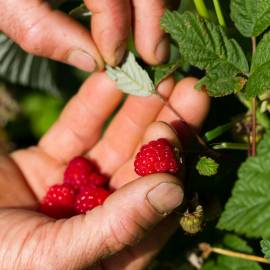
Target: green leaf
[[251, 17], [206, 46], [265, 245], [233, 242], [207, 166], [18, 67], [221, 81], [131, 78], [259, 80], [248, 209], [161, 72]]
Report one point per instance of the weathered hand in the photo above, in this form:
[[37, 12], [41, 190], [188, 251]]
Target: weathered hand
[[42, 31], [131, 227]]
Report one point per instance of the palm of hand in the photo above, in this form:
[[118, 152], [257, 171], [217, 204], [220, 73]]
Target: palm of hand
[[31, 240]]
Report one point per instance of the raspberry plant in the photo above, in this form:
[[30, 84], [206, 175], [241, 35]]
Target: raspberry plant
[[232, 50]]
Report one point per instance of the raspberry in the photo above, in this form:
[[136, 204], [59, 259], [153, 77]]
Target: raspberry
[[156, 157], [89, 198], [98, 179], [78, 171], [59, 202]]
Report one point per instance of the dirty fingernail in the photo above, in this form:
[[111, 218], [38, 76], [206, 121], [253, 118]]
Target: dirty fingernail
[[165, 197], [162, 50]]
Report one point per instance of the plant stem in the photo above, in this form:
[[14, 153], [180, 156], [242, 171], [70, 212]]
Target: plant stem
[[219, 13], [253, 109], [201, 8], [207, 250], [230, 146]]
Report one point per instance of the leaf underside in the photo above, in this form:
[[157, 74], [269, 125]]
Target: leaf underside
[[131, 78]]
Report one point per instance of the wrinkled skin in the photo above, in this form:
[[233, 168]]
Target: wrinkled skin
[[40, 30]]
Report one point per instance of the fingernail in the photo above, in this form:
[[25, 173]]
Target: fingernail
[[82, 60], [119, 53], [165, 197], [162, 50]]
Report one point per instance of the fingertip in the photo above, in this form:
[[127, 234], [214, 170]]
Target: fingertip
[[196, 102], [161, 129]]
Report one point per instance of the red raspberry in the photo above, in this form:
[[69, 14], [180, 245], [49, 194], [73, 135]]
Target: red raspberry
[[59, 202], [98, 179], [89, 198], [156, 157], [78, 171]]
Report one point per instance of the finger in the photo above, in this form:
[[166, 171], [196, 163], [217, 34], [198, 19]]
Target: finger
[[192, 105], [44, 32], [150, 41], [139, 256], [127, 127], [156, 130], [124, 219], [80, 124], [110, 26]]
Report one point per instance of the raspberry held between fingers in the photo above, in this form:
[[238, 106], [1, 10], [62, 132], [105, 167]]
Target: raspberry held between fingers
[[157, 156]]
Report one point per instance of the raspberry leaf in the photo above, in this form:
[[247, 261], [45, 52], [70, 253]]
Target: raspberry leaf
[[251, 17], [232, 242], [265, 245], [206, 46], [131, 78], [221, 81], [207, 166], [259, 80], [248, 210]]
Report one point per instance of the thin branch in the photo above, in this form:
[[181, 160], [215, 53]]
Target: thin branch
[[253, 110], [207, 250]]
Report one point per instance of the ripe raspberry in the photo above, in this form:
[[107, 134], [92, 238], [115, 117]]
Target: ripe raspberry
[[89, 198], [78, 171], [97, 179], [156, 157], [59, 202]]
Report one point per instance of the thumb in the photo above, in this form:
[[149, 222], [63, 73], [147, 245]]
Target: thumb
[[49, 33], [126, 216]]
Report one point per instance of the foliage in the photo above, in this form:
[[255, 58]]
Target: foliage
[[265, 245], [248, 210], [207, 166], [206, 46], [131, 78]]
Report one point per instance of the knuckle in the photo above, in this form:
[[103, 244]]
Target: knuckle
[[123, 233], [31, 38]]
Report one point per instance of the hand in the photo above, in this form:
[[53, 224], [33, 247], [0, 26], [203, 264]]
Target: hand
[[42, 31], [131, 227]]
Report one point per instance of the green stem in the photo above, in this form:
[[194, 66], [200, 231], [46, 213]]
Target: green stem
[[201, 8], [219, 13], [254, 107], [230, 146], [262, 119]]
